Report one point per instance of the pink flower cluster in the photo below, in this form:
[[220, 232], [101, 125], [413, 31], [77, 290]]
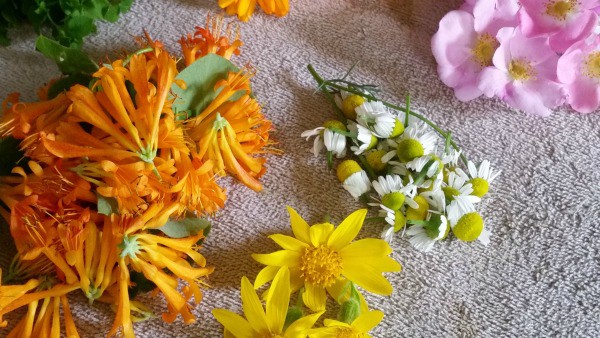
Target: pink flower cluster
[[534, 55]]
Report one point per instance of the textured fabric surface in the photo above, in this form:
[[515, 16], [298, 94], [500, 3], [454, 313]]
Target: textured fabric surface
[[538, 277]]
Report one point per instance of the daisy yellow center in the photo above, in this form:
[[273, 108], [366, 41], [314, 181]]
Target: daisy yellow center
[[399, 221], [333, 124], [350, 103], [560, 9], [398, 129], [374, 160], [409, 149], [346, 169], [592, 65], [484, 49], [450, 192], [469, 227], [346, 332], [320, 265], [393, 200], [419, 213], [521, 70], [480, 186]]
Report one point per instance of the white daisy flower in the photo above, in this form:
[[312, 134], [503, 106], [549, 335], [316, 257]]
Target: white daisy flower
[[451, 157], [396, 218], [436, 197], [394, 194], [416, 141], [365, 138], [357, 184], [375, 116], [457, 186], [420, 234], [388, 234], [418, 164], [325, 137], [481, 177], [466, 223]]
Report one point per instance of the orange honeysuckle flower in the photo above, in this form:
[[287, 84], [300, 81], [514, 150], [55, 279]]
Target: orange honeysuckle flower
[[229, 132], [245, 8], [211, 39]]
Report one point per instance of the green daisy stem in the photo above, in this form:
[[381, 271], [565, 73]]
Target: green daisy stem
[[323, 84], [323, 88]]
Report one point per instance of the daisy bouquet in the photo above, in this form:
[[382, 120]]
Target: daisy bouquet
[[318, 262], [400, 163], [534, 55], [107, 177]]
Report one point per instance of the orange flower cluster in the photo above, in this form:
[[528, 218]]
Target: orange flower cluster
[[119, 141]]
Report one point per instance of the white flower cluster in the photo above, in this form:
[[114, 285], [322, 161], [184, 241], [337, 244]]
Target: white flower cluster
[[407, 171]]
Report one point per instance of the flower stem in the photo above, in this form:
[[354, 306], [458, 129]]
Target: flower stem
[[323, 88]]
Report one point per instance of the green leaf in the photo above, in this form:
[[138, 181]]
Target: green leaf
[[65, 83], [186, 227], [69, 60], [10, 154], [107, 205], [201, 78]]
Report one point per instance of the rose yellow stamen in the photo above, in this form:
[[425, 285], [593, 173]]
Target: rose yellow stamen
[[320, 266], [591, 66], [484, 49], [560, 9], [521, 70]]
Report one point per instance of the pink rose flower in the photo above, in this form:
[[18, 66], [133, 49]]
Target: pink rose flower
[[579, 70], [461, 53], [564, 21], [491, 15], [524, 73]]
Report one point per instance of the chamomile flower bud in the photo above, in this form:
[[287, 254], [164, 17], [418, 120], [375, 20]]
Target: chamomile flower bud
[[419, 212], [424, 236], [349, 104], [374, 160], [365, 139], [415, 142], [457, 186], [393, 192], [353, 178], [481, 179]]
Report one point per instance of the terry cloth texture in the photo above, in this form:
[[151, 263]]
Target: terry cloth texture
[[539, 276]]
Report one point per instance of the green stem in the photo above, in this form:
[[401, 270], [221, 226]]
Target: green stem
[[322, 88]]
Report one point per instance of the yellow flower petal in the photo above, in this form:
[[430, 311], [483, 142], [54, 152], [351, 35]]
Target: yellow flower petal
[[297, 328], [333, 322], [367, 277], [278, 258], [288, 243], [367, 321], [278, 300], [299, 226], [265, 275], [366, 247], [233, 323], [314, 297], [319, 233], [253, 309], [347, 230]]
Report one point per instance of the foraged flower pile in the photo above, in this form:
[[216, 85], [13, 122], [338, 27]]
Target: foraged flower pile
[[534, 55], [318, 261], [115, 174], [420, 183]]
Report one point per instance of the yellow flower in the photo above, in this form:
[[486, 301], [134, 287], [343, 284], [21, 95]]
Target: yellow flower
[[259, 323], [322, 258], [359, 328], [245, 8]]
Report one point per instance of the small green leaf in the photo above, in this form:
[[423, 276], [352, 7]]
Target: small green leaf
[[107, 205], [69, 60], [200, 78], [186, 227], [10, 155], [67, 82]]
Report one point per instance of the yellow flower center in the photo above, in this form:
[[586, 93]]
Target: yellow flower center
[[521, 70], [409, 149], [334, 124], [393, 200], [346, 169], [560, 9], [420, 213], [592, 65], [398, 129], [349, 104], [450, 192], [469, 227], [399, 221], [320, 266], [484, 49], [480, 186], [347, 332], [374, 160]]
